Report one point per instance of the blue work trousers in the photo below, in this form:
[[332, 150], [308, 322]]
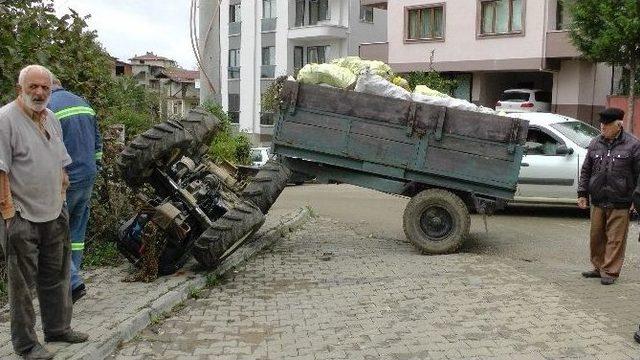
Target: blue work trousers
[[78, 202]]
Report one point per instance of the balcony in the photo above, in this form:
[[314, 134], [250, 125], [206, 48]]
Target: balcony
[[374, 3], [269, 24], [267, 71], [559, 45], [319, 31], [235, 28], [375, 51]]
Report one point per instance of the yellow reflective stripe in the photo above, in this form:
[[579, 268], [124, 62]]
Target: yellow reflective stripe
[[77, 246], [75, 110], [99, 155]]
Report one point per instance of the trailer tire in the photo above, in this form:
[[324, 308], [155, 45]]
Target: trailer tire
[[156, 147], [227, 234], [264, 188], [436, 221]]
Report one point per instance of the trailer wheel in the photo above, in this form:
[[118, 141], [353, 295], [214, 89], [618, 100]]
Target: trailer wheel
[[264, 188], [436, 221], [227, 234]]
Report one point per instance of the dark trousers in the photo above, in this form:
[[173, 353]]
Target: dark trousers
[[38, 255], [609, 229]]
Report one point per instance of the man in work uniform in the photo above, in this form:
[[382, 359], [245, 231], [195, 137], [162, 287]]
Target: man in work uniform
[[608, 177], [83, 143], [35, 232]]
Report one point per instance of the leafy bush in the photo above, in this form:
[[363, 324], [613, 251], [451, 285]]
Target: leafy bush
[[431, 79], [234, 148]]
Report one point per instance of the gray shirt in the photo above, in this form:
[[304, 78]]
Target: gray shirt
[[33, 162]]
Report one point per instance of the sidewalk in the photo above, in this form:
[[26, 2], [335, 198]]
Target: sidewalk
[[114, 311]]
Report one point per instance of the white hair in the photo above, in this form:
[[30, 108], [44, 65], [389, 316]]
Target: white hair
[[23, 73]]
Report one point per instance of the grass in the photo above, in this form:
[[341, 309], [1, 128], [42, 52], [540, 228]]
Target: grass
[[102, 254], [212, 280], [195, 293]]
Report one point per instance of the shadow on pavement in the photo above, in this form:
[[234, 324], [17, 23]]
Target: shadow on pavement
[[543, 211]]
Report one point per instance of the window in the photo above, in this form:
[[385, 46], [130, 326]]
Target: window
[[269, 10], [366, 13], [298, 58], [577, 131], [300, 6], [501, 17], [268, 62], [318, 11], [317, 54], [269, 55], [234, 63], [543, 96], [234, 108], [425, 23], [234, 13], [540, 143], [563, 16]]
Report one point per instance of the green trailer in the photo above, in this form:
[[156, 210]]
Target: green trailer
[[447, 161]]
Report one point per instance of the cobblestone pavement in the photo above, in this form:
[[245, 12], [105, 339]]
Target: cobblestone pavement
[[111, 305], [332, 291]]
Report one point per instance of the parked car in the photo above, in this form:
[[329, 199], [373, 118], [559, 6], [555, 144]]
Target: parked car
[[524, 100], [260, 156], [555, 149]]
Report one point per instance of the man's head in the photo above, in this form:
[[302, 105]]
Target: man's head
[[34, 87], [611, 122]]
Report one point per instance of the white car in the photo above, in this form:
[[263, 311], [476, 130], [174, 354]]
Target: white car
[[260, 156], [555, 149], [524, 100]]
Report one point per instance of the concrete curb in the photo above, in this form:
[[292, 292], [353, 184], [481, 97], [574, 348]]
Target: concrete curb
[[125, 331]]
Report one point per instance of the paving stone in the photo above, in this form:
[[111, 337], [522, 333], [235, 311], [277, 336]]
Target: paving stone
[[373, 298]]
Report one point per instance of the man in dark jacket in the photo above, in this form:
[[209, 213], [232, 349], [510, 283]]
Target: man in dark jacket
[[82, 140], [608, 177]]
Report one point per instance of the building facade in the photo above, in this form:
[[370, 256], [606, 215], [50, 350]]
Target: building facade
[[179, 89], [493, 45], [261, 40]]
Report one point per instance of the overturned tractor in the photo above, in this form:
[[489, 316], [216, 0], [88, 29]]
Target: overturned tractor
[[193, 206]]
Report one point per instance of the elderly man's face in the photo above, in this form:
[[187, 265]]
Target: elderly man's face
[[36, 90], [610, 130]]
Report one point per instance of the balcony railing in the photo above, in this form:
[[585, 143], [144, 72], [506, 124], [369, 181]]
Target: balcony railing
[[235, 28], [268, 24], [234, 72], [375, 51], [559, 45], [268, 71]]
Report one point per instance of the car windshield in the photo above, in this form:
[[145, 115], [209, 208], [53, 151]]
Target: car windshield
[[577, 131], [256, 156], [515, 96]]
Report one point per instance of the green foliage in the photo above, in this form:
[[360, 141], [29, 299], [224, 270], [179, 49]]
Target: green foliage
[[625, 84], [31, 33], [131, 105], [234, 148], [100, 253], [607, 30], [195, 292], [212, 280], [431, 79]]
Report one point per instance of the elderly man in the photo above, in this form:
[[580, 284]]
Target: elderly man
[[36, 229], [609, 175]]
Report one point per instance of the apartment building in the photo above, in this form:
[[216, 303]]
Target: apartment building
[[179, 89], [493, 45], [245, 45]]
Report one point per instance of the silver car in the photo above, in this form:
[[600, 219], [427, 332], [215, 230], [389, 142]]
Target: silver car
[[555, 149]]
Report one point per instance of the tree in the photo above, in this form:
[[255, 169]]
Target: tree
[[31, 33], [609, 31]]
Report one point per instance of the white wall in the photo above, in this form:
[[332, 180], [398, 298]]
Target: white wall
[[249, 52], [460, 35], [362, 32]]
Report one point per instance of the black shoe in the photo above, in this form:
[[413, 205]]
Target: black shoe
[[636, 336], [591, 274], [37, 352], [78, 293], [607, 281], [71, 337]]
